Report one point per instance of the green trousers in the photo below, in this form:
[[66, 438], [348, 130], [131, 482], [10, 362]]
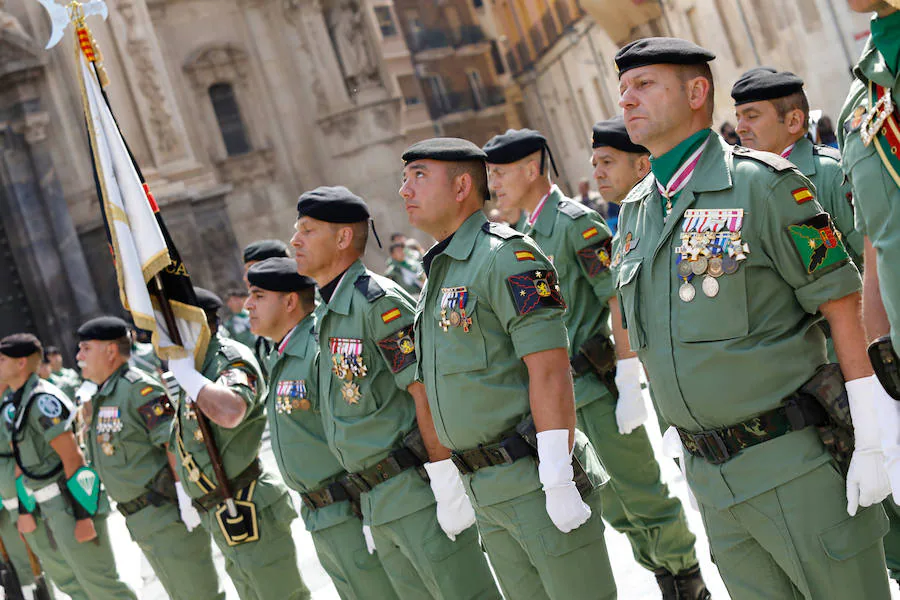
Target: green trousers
[[14, 546], [891, 540], [182, 560], [535, 560], [797, 541], [267, 568], [422, 562], [635, 501], [356, 574], [92, 563]]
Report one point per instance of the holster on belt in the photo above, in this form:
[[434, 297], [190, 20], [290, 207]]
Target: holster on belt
[[160, 491], [886, 365], [597, 355], [412, 455], [527, 430], [827, 387]]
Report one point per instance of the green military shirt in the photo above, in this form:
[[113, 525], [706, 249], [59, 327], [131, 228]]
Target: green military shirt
[[876, 189], [577, 242], [231, 364], [131, 422], [718, 360], [42, 413], [405, 275], [295, 422], [7, 460], [67, 380], [822, 165], [492, 297], [366, 363], [238, 325]]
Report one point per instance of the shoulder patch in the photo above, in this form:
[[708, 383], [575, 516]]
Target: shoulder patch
[[391, 315], [573, 209], [52, 410], [399, 349], [501, 231], [132, 376], [818, 244], [767, 158], [535, 289], [156, 411], [596, 258], [802, 195], [369, 288], [828, 151]]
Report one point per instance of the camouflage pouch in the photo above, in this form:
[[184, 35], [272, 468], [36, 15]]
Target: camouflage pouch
[[886, 365], [827, 387]]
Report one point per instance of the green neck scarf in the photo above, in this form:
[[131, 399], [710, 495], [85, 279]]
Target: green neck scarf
[[664, 167], [886, 37]]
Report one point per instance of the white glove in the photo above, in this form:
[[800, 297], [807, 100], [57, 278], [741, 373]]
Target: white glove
[[673, 448], [370, 541], [889, 428], [867, 480], [563, 502], [189, 515], [189, 378], [631, 411], [85, 391], [454, 511]]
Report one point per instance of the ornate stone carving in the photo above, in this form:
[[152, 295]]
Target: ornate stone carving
[[34, 127], [351, 40], [246, 170], [217, 64]]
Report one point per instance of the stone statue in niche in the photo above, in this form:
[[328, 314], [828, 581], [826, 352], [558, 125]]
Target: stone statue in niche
[[9, 22], [348, 32]]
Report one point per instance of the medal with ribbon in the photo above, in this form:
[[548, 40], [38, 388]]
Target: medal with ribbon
[[347, 364], [453, 308], [711, 246]]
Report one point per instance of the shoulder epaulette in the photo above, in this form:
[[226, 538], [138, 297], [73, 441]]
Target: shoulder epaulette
[[229, 352], [369, 288], [132, 376], [767, 158], [573, 209], [828, 151], [500, 230]]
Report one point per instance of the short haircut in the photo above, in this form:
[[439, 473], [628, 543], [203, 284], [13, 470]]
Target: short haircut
[[123, 345], [476, 169], [397, 235], [795, 101], [688, 72], [360, 235], [51, 350], [308, 297]]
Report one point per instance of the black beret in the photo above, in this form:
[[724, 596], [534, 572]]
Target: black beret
[[207, 300], [764, 83], [263, 249], [278, 275], [514, 145], [660, 51], [104, 329], [333, 205], [446, 149], [20, 345], [612, 132]]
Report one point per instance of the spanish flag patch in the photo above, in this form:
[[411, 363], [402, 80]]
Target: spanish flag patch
[[524, 255], [391, 315], [802, 195], [146, 390], [589, 233]]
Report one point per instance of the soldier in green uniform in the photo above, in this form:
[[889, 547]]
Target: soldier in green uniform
[[609, 403], [62, 510], [238, 321], [725, 268], [255, 252], [869, 134], [260, 556], [494, 361], [130, 423], [281, 306], [62, 377], [369, 397]]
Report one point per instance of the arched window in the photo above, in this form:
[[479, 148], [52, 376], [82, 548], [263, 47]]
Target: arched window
[[228, 114]]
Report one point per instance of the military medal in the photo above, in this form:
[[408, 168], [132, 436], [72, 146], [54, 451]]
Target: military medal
[[715, 267], [686, 292], [350, 392], [698, 266], [876, 117], [198, 435], [710, 286], [684, 268], [107, 448], [453, 308], [729, 265]]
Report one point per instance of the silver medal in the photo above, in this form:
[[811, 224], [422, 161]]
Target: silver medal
[[686, 292], [710, 286]]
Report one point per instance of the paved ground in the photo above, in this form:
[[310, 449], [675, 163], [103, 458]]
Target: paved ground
[[634, 583]]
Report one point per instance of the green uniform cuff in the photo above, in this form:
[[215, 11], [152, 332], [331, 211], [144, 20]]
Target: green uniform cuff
[[540, 334], [831, 286]]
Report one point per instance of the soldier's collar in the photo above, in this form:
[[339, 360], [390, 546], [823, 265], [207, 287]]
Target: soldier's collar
[[872, 67], [109, 386], [802, 156], [297, 345], [547, 217], [464, 238], [713, 172], [340, 299]]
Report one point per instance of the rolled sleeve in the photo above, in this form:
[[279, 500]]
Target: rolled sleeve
[[836, 284]]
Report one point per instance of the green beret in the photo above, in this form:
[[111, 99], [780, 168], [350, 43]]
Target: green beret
[[20, 345], [333, 205], [612, 133], [105, 329], [207, 300], [278, 275], [660, 51], [764, 83], [445, 149], [263, 249]]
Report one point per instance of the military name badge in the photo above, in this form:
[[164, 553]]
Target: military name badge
[[596, 258], [711, 246], [347, 364], [156, 411], [535, 289], [290, 395], [52, 410], [399, 349], [453, 308], [818, 243]]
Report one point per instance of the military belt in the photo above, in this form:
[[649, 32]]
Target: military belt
[[141, 502], [397, 462], [718, 446], [213, 499], [325, 496], [505, 452]]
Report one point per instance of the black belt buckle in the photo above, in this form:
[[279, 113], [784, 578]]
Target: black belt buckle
[[461, 465], [712, 447], [336, 492], [357, 480]]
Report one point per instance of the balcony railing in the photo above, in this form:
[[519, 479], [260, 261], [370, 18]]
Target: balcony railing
[[428, 39], [537, 38], [564, 13], [550, 26], [469, 34], [456, 102]]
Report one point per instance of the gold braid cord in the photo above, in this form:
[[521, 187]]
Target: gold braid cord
[[87, 42]]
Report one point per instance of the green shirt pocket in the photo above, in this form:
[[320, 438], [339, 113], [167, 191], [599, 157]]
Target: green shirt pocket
[[627, 286], [723, 316], [459, 346]]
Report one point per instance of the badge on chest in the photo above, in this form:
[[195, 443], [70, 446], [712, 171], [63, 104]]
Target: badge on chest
[[453, 308], [347, 364], [711, 246], [108, 423], [290, 395]]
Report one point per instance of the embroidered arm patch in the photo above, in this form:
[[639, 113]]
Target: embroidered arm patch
[[817, 243], [53, 411], [535, 289], [233, 377], [399, 349], [596, 258], [156, 411]]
